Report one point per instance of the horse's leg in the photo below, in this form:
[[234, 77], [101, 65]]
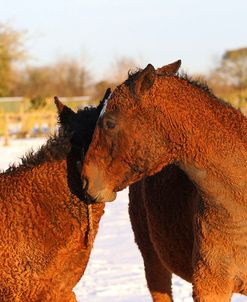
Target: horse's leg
[[71, 297], [213, 298], [209, 287], [158, 277], [212, 281], [55, 295], [66, 297], [206, 289]]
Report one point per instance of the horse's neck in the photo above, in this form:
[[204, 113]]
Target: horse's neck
[[53, 174], [214, 147], [44, 181], [62, 177]]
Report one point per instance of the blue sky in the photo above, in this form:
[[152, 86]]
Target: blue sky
[[150, 31]]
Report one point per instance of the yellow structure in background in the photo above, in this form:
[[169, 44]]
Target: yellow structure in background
[[28, 124], [18, 120]]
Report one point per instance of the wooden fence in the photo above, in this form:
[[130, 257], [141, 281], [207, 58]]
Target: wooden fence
[[28, 124]]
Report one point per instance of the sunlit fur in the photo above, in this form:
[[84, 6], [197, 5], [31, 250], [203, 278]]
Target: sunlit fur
[[47, 230], [168, 119]]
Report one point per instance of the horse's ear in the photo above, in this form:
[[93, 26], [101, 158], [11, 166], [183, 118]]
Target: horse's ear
[[170, 69], [64, 112], [145, 79], [107, 94], [105, 97]]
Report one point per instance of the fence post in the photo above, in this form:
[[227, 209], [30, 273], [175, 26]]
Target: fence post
[[6, 130]]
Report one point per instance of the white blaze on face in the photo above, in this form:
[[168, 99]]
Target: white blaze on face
[[104, 107]]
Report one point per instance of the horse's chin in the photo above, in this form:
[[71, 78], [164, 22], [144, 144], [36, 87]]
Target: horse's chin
[[103, 196]]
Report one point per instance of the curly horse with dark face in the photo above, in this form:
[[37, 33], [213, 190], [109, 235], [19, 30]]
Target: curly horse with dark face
[[157, 118], [47, 227]]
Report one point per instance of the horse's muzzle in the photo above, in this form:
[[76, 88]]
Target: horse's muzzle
[[94, 185]]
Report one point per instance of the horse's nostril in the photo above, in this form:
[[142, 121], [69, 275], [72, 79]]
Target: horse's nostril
[[84, 183]]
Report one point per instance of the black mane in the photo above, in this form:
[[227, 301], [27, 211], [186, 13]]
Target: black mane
[[198, 83], [132, 76], [56, 148]]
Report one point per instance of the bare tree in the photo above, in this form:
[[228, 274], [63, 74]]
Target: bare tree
[[70, 77], [120, 69], [66, 77], [11, 51], [232, 71]]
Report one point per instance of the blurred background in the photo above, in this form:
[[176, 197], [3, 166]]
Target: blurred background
[[76, 49]]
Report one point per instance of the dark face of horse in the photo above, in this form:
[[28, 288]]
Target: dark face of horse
[[124, 144], [79, 125]]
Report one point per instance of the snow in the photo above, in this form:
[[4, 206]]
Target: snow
[[115, 271]]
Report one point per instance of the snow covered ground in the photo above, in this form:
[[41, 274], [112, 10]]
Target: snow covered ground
[[115, 271]]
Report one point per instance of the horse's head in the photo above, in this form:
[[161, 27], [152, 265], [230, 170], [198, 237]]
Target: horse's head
[[80, 125], [125, 142]]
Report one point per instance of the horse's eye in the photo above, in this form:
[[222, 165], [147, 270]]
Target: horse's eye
[[110, 125]]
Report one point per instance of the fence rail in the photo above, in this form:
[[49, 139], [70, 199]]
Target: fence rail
[[28, 124]]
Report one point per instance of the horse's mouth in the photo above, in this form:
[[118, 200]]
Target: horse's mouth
[[99, 197], [88, 198]]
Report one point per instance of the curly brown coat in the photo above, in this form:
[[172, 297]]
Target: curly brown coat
[[47, 227], [157, 118]]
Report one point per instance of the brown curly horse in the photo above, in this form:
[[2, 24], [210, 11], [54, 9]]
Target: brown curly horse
[[156, 118], [47, 228]]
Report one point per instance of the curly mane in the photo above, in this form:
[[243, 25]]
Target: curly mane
[[195, 82]]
